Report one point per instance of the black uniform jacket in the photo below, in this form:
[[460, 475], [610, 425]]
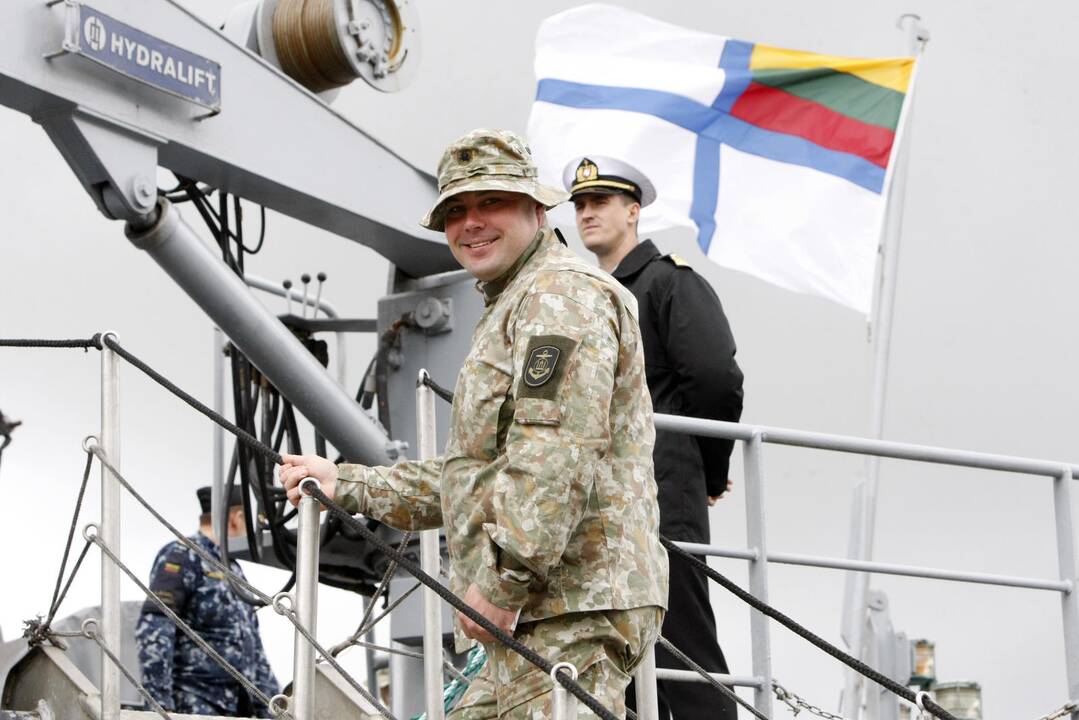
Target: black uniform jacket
[[689, 359]]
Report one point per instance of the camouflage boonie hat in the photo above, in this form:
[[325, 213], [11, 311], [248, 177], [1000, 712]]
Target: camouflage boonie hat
[[487, 159]]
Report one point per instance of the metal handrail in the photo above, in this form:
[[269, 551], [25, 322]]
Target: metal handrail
[[782, 558], [862, 446], [754, 436]]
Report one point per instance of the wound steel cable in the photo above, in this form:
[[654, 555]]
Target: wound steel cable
[[88, 633], [362, 627], [56, 597], [184, 540], [308, 48], [290, 615]]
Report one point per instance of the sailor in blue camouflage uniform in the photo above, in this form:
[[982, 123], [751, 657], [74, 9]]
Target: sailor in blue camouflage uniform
[[175, 671]]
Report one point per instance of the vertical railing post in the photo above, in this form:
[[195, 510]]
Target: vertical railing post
[[218, 498], [564, 705], [644, 683], [1066, 559], [758, 572], [110, 528], [305, 607], [430, 559]]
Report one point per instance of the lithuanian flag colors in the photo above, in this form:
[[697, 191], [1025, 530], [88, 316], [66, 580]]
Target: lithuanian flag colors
[[847, 104]]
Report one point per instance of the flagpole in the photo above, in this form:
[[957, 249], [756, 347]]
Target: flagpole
[[864, 510]]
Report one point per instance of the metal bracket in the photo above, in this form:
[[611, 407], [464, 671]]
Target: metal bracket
[[116, 164], [434, 315]]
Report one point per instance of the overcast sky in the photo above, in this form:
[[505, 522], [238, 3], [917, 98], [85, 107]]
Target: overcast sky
[[983, 349]]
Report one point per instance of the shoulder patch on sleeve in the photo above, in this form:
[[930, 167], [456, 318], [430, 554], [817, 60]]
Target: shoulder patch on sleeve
[[545, 366], [677, 260]]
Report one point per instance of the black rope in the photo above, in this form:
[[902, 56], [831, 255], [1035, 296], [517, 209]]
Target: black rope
[[84, 344], [472, 614], [824, 645], [797, 629], [688, 662], [164, 382], [468, 611], [442, 392]]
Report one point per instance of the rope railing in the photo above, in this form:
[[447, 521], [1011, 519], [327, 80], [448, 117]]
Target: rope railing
[[290, 615], [771, 612], [42, 630], [405, 563], [92, 343], [723, 689], [234, 579], [465, 609], [766, 609]]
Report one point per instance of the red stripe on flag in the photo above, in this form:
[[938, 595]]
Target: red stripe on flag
[[774, 109]]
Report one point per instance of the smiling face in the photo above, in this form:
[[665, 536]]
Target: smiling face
[[606, 222], [487, 230]]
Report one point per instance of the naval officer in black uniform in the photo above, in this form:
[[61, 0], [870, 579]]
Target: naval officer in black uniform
[[689, 361]]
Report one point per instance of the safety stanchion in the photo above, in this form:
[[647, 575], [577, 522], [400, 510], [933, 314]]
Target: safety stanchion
[[644, 682], [306, 605], [430, 559], [109, 438], [563, 680], [563, 704]]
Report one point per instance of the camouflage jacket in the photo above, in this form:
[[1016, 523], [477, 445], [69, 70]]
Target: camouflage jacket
[[545, 487], [173, 667]]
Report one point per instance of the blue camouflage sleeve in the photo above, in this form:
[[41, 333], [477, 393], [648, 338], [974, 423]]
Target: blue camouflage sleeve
[[264, 677], [172, 582]]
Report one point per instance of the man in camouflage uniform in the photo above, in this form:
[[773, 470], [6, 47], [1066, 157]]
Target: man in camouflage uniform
[[545, 487], [176, 672]]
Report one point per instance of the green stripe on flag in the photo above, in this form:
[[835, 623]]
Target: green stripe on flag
[[839, 91]]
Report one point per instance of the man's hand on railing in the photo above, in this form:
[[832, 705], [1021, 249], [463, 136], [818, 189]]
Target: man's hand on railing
[[297, 467], [713, 499]]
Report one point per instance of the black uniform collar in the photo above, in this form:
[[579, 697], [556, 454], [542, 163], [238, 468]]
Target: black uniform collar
[[638, 257]]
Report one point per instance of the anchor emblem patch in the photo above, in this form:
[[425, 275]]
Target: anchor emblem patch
[[541, 364]]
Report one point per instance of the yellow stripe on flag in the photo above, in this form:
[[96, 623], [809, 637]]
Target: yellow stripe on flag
[[893, 73]]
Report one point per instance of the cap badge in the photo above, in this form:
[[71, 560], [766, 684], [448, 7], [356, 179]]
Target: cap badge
[[586, 171]]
